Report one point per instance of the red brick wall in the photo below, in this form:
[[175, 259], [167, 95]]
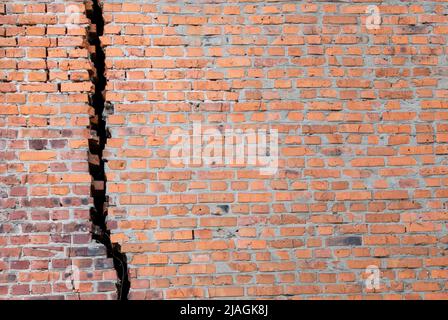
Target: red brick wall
[[362, 178], [362, 119], [45, 238]]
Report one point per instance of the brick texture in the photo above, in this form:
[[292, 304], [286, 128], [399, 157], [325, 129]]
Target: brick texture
[[362, 116], [44, 178], [362, 119]]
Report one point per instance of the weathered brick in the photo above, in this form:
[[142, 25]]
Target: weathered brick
[[361, 179]]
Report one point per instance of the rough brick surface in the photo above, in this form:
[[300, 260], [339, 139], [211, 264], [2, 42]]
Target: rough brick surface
[[44, 176], [362, 116], [362, 119]]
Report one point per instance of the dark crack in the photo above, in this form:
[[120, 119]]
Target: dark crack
[[97, 145]]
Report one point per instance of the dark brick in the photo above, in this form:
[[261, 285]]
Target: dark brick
[[38, 144], [344, 241]]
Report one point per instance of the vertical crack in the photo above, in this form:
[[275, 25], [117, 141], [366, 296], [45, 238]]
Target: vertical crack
[[97, 145]]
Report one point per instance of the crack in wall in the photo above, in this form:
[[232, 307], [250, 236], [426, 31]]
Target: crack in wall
[[97, 144]]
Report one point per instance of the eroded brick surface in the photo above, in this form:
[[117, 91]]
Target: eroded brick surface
[[44, 178]]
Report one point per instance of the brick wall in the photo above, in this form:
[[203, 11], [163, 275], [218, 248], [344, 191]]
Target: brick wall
[[362, 121], [46, 250]]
